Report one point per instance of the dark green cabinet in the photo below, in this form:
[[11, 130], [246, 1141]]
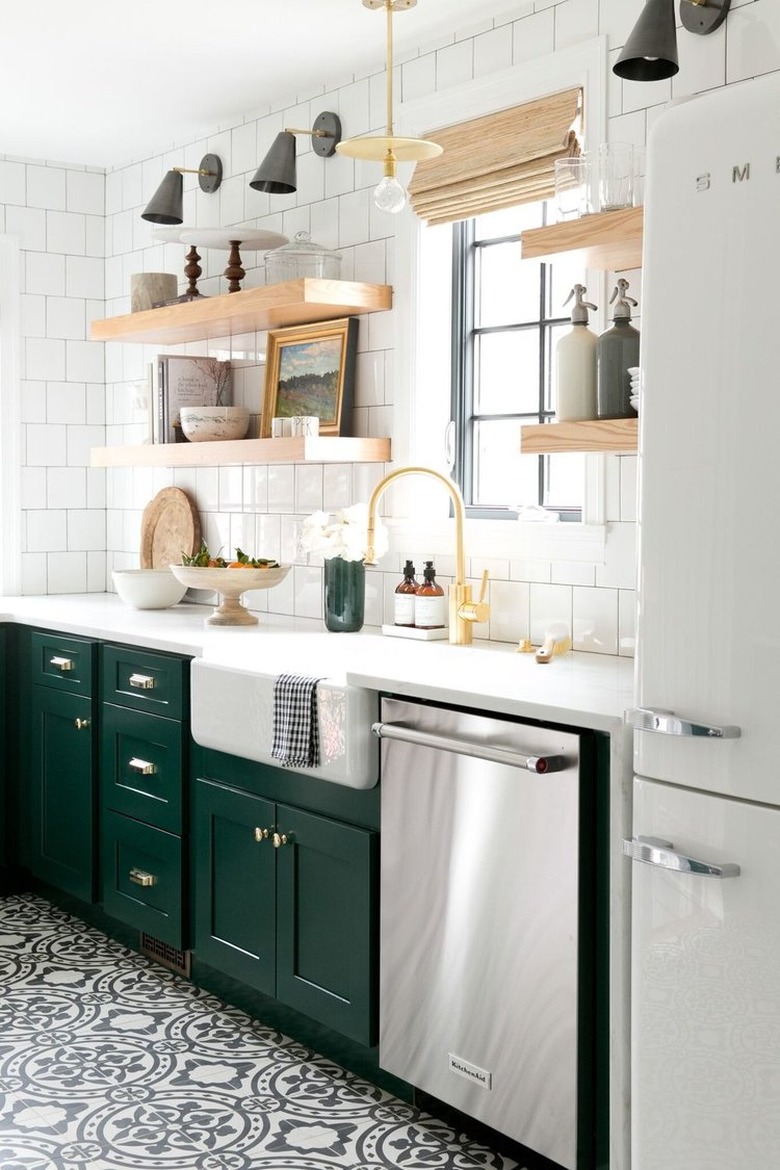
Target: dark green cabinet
[[285, 902], [5, 796], [144, 741], [62, 791]]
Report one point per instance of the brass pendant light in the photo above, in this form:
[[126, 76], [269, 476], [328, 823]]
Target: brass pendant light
[[389, 148]]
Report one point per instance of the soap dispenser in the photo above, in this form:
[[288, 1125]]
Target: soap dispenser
[[577, 364], [617, 349]]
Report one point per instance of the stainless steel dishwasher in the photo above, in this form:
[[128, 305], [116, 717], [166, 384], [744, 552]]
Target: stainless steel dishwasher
[[479, 918]]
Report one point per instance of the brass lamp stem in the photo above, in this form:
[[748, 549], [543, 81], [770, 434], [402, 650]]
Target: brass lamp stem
[[389, 67]]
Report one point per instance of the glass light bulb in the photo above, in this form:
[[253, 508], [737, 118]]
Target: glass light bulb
[[389, 195]]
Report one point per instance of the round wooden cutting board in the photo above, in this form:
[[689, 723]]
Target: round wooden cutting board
[[170, 526]]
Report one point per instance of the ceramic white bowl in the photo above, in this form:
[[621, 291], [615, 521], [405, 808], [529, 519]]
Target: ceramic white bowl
[[203, 424], [148, 588]]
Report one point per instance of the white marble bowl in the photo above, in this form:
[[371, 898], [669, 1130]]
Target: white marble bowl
[[148, 588], [203, 424], [230, 583]]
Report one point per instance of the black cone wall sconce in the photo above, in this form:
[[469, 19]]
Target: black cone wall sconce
[[166, 205], [650, 53], [277, 172]]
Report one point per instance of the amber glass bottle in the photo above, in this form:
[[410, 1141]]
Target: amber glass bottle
[[430, 605], [403, 600]]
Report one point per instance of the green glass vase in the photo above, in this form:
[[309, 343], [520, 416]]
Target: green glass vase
[[345, 595]]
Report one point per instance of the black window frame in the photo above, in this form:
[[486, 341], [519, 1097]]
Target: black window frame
[[465, 250]]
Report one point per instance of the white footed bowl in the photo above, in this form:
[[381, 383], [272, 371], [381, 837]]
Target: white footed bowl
[[203, 424], [148, 588], [230, 583]]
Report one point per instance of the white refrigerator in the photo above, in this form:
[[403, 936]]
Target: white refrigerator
[[705, 983]]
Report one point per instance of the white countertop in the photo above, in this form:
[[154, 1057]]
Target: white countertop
[[583, 690]]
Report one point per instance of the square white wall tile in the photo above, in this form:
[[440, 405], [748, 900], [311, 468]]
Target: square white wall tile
[[533, 36], [307, 584], [66, 317], [45, 274], [549, 605], [66, 487], [45, 446], [46, 187], [86, 192], [308, 487], [619, 568], [509, 611], [34, 579], [86, 530], [67, 572], [13, 182], [66, 402], [66, 232], [46, 531], [595, 620], [281, 488]]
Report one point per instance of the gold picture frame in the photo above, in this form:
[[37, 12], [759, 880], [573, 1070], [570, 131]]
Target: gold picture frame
[[310, 370]]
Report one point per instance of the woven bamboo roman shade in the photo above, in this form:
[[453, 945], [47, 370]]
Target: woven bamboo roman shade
[[496, 161]]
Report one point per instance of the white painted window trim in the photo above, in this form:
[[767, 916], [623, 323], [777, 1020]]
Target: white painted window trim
[[418, 433], [10, 415]]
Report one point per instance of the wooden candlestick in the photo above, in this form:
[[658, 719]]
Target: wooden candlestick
[[234, 272]]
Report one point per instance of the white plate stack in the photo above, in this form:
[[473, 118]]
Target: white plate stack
[[636, 386]]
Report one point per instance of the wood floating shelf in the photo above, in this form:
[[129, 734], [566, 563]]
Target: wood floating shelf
[[610, 241], [321, 449], [291, 302], [617, 435]]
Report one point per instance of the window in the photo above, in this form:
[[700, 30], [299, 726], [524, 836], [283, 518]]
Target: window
[[508, 316]]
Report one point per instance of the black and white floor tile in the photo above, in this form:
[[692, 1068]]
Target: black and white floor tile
[[109, 1062]]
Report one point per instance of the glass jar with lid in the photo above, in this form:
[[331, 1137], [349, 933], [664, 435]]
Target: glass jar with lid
[[301, 257]]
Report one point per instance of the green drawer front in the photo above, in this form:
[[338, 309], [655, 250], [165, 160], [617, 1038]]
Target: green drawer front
[[63, 663], [142, 770], [145, 681], [142, 877]]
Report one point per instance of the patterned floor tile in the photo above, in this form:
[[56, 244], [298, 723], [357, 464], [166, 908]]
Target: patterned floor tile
[[109, 1062]]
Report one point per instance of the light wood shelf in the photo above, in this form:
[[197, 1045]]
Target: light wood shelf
[[606, 434], [610, 241], [291, 302], [321, 449]]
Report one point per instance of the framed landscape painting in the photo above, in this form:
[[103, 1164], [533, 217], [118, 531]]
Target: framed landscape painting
[[310, 370]]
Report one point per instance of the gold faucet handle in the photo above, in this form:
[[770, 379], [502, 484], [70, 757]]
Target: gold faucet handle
[[476, 611]]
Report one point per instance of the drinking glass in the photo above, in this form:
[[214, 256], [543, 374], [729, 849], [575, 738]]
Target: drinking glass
[[616, 175], [572, 187]]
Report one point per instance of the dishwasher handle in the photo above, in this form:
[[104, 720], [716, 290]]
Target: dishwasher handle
[[463, 747]]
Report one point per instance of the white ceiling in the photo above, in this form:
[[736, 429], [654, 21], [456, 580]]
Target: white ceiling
[[101, 83]]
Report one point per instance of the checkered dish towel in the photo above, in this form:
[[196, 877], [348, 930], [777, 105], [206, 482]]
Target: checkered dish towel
[[296, 732]]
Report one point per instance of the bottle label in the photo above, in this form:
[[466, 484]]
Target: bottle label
[[430, 612], [403, 609]]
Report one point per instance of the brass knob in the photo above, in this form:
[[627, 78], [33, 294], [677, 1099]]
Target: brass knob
[[281, 839], [262, 835], [82, 724]]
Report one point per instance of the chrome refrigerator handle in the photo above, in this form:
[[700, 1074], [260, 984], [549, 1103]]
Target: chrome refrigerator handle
[[667, 723], [652, 851], [463, 747]]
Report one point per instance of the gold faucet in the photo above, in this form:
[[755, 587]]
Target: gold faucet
[[463, 611]]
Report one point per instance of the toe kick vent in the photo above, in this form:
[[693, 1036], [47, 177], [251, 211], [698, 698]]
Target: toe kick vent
[[168, 956]]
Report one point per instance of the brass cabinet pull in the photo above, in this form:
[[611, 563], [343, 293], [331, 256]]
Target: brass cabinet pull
[[141, 878], [143, 767], [280, 839], [143, 682], [81, 724], [62, 663], [262, 834]]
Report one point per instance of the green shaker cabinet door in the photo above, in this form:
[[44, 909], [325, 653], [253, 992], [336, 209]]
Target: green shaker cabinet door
[[235, 908], [62, 791], [326, 950]]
